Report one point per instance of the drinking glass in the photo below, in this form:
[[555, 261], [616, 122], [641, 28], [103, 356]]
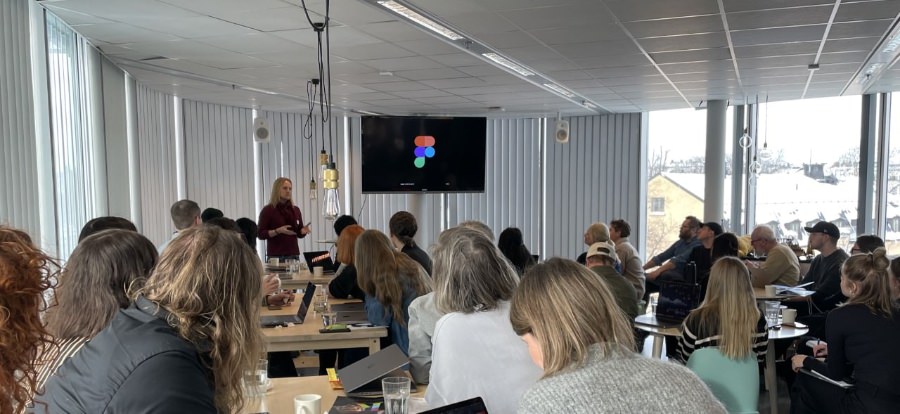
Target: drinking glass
[[320, 300], [256, 381], [653, 301], [396, 395], [772, 309]]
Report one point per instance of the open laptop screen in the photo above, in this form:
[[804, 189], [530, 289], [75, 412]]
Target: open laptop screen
[[677, 300], [319, 258]]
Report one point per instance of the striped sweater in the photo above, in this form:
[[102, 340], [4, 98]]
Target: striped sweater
[[696, 335]]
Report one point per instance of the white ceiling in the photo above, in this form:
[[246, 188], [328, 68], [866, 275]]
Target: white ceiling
[[626, 55]]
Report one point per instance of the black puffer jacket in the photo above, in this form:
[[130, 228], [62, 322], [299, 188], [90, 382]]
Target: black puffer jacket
[[137, 364]]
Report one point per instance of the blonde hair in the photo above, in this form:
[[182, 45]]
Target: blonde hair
[[275, 196], [567, 308], [869, 272], [598, 232], [209, 282], [346, 243], [470, 273], [729, 303], [383, 272]]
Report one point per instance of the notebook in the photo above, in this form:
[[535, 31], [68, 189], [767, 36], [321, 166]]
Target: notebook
[[676, 301], [319, 258], [363, 378], [470, 406], [270, 321]]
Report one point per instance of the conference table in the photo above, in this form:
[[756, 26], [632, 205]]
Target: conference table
[[299, 280], [659, 330], [306, 336], [280, 398]]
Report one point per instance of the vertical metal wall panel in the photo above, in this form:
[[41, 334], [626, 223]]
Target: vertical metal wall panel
[[288, 154], [219, 158], [595, 177], [158, 186], [19, 202]]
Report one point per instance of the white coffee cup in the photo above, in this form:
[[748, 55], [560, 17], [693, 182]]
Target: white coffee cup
[[770, 291], [788, 316], [318, 270], [273, 261], [307, 404]]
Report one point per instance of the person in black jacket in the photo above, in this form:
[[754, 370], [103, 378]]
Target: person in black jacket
[[512, 245], [403, 228], [183, 345]]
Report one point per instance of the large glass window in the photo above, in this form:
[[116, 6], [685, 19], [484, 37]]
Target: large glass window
[[808, 152], [892, 213]]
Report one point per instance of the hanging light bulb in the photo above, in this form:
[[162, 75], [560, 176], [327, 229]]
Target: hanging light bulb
[[755, 167], [312, 189], [323, 164], [332, 204], [746, 140]]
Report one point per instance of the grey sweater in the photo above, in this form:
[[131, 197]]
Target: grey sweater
[[621, 383]]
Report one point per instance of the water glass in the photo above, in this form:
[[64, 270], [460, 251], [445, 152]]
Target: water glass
[[772, 310], [653, 301], [329, 318], [320, 301], [396, 395], [256, 381]]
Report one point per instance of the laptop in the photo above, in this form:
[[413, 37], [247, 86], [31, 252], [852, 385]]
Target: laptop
[[676, 301], [363, 378], [320, 258], [270, 321], [470, 406], [350, 313]]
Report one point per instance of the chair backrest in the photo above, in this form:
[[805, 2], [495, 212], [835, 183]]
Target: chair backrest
[[734, 383]]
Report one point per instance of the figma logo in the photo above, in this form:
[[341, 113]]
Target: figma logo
[[424, 149]]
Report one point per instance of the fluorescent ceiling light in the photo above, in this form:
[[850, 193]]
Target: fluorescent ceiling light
[[560, 90], [589, 105], [502, 61], [421, 20]]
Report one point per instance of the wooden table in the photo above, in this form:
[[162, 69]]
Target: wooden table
[[301, 279], [306, 336], [280, 399], [650, 324]]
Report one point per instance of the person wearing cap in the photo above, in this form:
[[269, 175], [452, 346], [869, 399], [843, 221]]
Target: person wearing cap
[[782, 267], [600, 258], [824, 271], [702, 254]]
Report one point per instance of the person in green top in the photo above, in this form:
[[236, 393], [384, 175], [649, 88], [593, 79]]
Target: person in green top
[[601, 259]]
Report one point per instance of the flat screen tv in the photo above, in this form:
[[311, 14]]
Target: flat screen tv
[[423, 154]]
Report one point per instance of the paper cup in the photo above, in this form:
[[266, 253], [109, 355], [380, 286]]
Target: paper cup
[[770, 291], [273, 261], [307, 404], [788, 316], [318, 270]]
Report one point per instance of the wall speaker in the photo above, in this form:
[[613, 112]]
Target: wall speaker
[[562, 131], [261, 131]]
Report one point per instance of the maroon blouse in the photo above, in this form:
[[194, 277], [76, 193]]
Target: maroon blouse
[[273, 217]]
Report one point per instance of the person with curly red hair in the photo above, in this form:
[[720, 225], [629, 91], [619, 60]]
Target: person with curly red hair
[[25, 274]]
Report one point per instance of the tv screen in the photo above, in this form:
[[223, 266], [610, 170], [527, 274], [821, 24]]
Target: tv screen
[[422, 154]]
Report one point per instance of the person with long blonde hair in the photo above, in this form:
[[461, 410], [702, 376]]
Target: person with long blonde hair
[[280, 222], [861, 346], [185, 342], [390, 280], [475, 351], [728, 318], [577, 335], [25, 274]]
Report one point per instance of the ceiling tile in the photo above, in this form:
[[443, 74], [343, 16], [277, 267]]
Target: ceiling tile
[[407, 63], [686, 42], [863, 44], [871, 28], [581, 14], [631, 10], [781, 49], [777, 35], [744, 5], [762, 19], [672, 27], [692, 55], [120, 33], [582, 34], [430, 74], [867, 10]]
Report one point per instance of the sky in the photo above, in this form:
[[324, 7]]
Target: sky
[[809, 130]]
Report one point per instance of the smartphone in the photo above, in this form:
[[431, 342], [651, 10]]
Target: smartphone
[[274, 307]]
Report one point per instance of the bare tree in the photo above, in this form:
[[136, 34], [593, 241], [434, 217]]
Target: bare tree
[[659, 159]]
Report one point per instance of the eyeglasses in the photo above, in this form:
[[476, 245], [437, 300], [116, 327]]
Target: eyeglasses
[[757, 240]]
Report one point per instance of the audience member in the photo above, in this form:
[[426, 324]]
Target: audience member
[[477, 225], [824, 273], [25, 275], [576, 333], [781, 266], [403, 228], [619, 230], [210, 213], [867, 243], [93, 287], [342, 222], [105, 223], [512, 245], [669, 265], [894, 272], [390, 280], [249, 229], [182, 346], [476, 353], [595, 233], [702, 254], [601, 257], [725, 245], [344, 285], [185, 214], [728, 318], [861, 346], [281, 223], [224, 223]]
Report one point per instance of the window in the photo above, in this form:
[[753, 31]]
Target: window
[[657, 205]]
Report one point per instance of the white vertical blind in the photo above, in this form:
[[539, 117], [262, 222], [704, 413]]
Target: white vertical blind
[[597, 176], [19, 203], [219, 158], [156, 140]]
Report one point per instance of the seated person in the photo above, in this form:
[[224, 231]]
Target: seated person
[[669, 265], [403, 230], [600, 259], [512, 246], [782, 267], [476, 353], [577, 335]]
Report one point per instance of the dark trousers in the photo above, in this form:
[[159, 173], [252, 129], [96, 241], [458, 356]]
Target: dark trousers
[[281, 364]]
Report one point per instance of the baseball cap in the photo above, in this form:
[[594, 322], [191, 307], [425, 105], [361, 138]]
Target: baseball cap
[[824, 227], [603, 249], [715, 227]]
